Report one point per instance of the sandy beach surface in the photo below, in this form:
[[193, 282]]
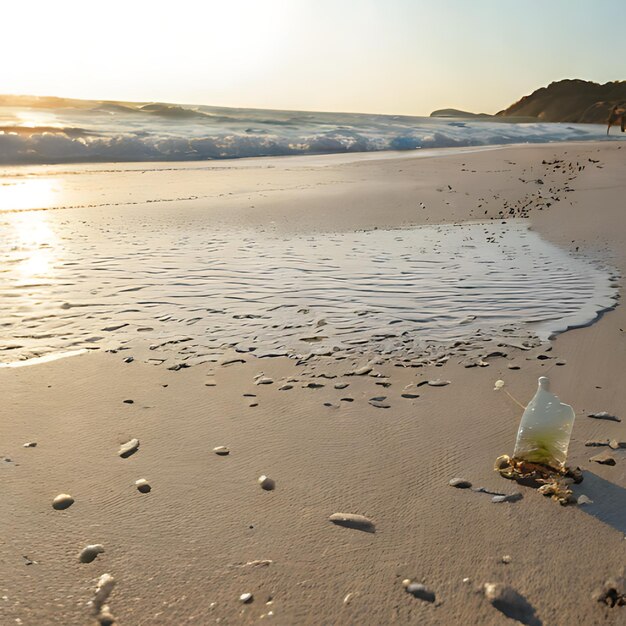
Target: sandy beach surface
[[357, 430]]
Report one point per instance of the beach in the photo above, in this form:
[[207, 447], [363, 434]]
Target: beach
[[342, 416]]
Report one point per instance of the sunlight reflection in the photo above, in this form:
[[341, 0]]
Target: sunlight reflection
[[34, 243], [30, 193]]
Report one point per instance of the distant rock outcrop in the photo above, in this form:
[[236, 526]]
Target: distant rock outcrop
[[456, 113], [577, 101]]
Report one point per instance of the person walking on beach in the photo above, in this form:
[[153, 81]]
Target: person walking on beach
[[617, 116]]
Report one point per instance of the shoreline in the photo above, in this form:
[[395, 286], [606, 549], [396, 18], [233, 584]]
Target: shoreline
[[183, 552]]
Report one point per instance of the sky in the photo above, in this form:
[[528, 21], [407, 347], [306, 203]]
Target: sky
[[375, 56]]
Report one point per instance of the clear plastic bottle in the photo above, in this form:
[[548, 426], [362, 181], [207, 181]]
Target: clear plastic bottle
[[545, 430]]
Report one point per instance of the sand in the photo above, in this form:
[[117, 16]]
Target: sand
[[206, 534]]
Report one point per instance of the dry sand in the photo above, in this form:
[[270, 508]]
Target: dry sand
[[207, 532]]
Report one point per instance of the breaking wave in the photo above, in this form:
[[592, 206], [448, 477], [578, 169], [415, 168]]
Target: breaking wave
[[157, 132]]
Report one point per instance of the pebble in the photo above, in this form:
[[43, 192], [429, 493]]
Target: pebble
[[362, 371], [604, 458], [128, 448], [410, 396], [438, 383], [313, 385], [143, 485], [614, 444], [506, 559], [420, 591], [508, 601], [221, 450], [341, 385], [90, 552], [253, 404], [603, 415], [105, 585], [285, 388], [460, 483], [62, 501], [245, 598], [513, 366], [379, 404], [30, 444], [264, 381], [350, 520], [583, 499], [267, 483], [514, 497], [129, 359], [129, 402], [596, 442]]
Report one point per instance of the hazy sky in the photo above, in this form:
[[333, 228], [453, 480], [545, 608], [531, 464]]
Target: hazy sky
[[386, 56]]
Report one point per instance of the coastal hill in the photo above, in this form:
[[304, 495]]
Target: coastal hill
[[577, 101]]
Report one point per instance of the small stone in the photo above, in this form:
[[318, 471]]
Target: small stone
[[30, 444], [420, 591], [129, 359], [406, 582], [596, 442], [460, 483], [253, 404], [362, 371], [380, 404], [221, 450], [509, 602], [614, 444], [129, 402], [341, 385], [246, 598], [129, 448], [313, 385], [62, 501], [90, 552], [583, 499], [506, 559], [438, 383], [105, 585], [514, 497], [285, 387], [267, 483], [410, 396], [350, 520], [143, 485], [604, 458], [603, 415], [513, 366], [264, 380]]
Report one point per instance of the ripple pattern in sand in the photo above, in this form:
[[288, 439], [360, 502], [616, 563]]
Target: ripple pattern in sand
[[100, 284]]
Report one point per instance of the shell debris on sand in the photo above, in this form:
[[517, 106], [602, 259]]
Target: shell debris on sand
[[129, 448], [62, 501], [221, 450], [352, 520], [143, 485], [266, 483], [246, 598], [90, 552]]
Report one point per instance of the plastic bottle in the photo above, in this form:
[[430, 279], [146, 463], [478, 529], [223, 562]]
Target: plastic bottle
[[545, 430]]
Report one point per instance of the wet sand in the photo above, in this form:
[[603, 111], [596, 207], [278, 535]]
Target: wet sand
[[207, 532]]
